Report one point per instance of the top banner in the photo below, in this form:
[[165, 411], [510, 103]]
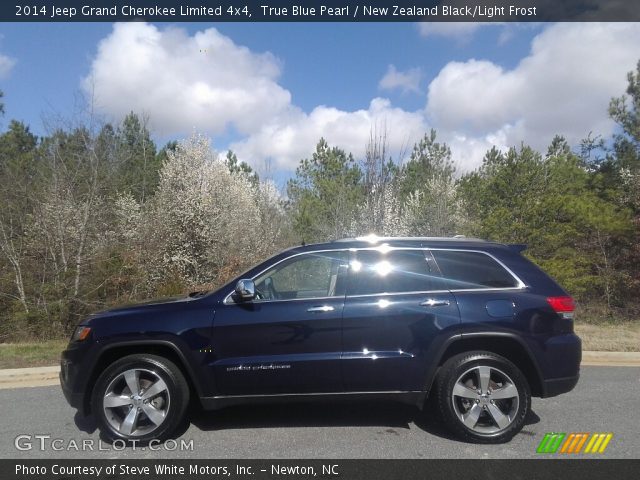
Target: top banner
[[321, 11]]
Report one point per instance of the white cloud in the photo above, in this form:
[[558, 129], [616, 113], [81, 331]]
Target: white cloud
[[449, 29], [207, 82], [563, 86], [6, 65], [460, 31], [295, 136], [204, 81], [407, 81]]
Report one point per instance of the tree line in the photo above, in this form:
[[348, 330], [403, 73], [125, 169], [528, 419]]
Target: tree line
[[92, 217]]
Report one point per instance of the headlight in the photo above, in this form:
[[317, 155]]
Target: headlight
[[80, 333]]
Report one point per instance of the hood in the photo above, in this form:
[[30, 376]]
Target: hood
[[150, 305]]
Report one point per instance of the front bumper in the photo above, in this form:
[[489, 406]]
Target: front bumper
[[75, 363], [74, 399]]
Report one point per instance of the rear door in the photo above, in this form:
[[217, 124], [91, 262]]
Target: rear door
[[396, 313]]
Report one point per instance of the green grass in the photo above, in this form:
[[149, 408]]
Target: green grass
[[610, 337], [21, 355]]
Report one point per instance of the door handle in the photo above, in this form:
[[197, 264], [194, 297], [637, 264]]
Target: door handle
[[435, 303], [323, 308]]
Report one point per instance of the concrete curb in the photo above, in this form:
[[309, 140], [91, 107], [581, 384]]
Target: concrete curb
[[612, 359], [29, 377], [46, 376]]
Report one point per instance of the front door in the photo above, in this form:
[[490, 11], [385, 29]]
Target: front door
[[288, 340]]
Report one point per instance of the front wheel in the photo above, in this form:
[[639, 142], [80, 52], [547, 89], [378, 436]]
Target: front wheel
[[140, 397], [483, 397]]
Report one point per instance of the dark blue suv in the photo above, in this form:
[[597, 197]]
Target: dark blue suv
[[472, 323]]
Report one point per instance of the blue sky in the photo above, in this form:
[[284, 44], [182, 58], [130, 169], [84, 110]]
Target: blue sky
[[270, 90]]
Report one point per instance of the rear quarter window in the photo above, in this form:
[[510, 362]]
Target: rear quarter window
[[472, 270]]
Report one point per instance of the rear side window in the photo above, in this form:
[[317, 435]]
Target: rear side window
[[471, 270], [396, 271]]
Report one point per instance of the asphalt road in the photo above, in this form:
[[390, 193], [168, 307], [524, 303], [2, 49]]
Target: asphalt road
[[607, 399]]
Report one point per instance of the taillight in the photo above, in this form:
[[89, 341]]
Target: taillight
[[563, 306]]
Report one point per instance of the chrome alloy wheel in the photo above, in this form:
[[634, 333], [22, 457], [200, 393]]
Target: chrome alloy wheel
[[485, 399], [136, 402]]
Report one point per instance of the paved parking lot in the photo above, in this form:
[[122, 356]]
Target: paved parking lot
[[605, 400]]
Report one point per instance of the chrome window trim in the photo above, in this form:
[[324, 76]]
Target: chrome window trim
[[487, 289], [389, 294], [289, 299], [228, 296], [521, 285]]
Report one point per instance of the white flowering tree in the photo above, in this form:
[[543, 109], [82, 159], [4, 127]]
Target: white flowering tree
[[433, 210], [205, 221]]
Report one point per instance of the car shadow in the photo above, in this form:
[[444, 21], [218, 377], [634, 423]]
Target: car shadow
[[375, 414], [85, 423], [293, 415]]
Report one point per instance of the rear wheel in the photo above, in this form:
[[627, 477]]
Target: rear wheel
[[140, 397], [483, 397]]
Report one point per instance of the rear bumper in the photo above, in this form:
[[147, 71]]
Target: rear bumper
[[557, 386], [560, 358]]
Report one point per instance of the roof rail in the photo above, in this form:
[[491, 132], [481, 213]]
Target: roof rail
[[376, 239]]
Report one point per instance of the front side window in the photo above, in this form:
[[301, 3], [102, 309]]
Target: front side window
[[472, 270], [395, 271], [311, 275]]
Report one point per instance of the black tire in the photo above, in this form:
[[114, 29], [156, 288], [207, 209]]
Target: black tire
[[167, 407], [489, 420]]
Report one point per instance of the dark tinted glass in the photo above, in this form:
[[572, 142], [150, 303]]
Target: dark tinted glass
[[395, 271], [465, 270]]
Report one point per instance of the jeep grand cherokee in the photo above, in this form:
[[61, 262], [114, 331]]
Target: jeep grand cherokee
[[471, 323]]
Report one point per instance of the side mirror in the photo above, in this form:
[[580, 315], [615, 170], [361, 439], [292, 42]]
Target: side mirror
[[245, 290]]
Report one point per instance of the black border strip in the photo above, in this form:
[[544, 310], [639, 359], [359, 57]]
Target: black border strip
[[321, 10], [555, 468]]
